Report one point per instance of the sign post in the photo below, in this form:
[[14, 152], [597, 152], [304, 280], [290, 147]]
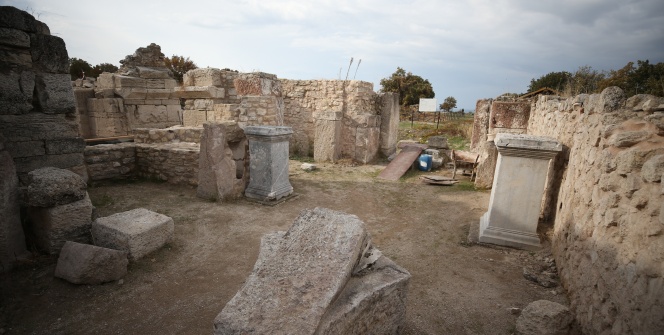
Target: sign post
[[429, 105]]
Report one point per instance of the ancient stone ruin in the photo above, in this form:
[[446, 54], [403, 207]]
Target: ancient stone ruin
[[605, 196], [322, 276]]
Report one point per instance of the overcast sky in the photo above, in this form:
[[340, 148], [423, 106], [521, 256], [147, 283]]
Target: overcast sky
[[468, 49]]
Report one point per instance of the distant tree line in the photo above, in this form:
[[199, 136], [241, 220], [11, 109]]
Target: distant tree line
[[179, 65], [642, 78]]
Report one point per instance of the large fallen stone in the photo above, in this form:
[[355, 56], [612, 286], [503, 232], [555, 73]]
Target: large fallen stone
[[138, 232], [320, 277], [544, 317], [88, 264], [50, 186], [53, 226]]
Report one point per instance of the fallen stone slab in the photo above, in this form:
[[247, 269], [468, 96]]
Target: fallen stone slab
[[50, 186], [544, 317], [320, 277], [138, 232], [88, 264]]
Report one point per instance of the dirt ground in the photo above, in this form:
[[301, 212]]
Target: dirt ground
[[456, 287]]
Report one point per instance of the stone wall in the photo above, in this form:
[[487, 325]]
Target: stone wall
[[176, 163], [37, 107], [171, 134], [608, 237], [110, 161], [140, 95], [359, 108]]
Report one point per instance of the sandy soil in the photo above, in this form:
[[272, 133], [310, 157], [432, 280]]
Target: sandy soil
[[456, 287]]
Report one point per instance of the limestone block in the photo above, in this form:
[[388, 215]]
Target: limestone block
[[218, 174], [327, 138], [120, 81], [50, 186], [199, 92], [16, 92], [106, 81], [153, 84], [132, 93], [611, 99], [173, 113], [203, 77], [154, 72], [268, 169], [54, 93], [49, 54], [170, 84], [389, 123], [26, 148], [653, 169], [193, 118], [88, 264], [628, 138], [373, 302], [158, 93], [296, 277], [14, 38], [53, 226], [438, 142], [300, 286], [544, 317], [12, 239], [11, 17], [138, 232], [658, 120], [65, 146], [257, 84]]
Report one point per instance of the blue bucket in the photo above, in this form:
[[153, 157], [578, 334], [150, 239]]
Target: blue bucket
[[424, 162]]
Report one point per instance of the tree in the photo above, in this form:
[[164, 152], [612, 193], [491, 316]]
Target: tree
[[179, 65], [448, 104], [554, 80], [103, 67], [409, 86], [644, 78], [77, 67], [584, 80]]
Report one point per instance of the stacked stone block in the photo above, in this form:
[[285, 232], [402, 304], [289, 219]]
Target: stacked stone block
[[140, 95], [175, 163], [12, 239], [110, 161], [37, 106], [171, 134]]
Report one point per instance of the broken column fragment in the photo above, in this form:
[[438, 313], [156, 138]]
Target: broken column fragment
[[322, 276]]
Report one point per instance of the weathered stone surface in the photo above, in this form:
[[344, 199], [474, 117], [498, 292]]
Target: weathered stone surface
[[611, 99], [222, 176], [65, 146], [54, 93], [53, 226], [268, 168], [257, 83], [49, 54], [296, 276], [16, 92], [199, 92], [138, 231], [628, 138], [389, 123], [88, 264], [11, 17], [48, 187], [439, 142], [327, 140], [372, 302], [203, 77], [12, 239], [653, 169], [14, 38], [150, 56], [544, 317]]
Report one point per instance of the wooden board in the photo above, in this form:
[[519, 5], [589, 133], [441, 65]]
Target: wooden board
[[400, 164]]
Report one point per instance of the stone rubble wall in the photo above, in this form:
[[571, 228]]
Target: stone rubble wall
[[171, 134], [355, 100], [608, 237], [37, 106], [110, 161]]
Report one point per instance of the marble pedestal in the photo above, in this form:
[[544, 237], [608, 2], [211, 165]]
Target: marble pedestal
[[268, 162], [518, 187]]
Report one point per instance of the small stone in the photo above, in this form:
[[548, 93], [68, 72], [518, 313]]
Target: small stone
[[515, 310], [121, 281], [308, 167], [544, 317], [653, 169]]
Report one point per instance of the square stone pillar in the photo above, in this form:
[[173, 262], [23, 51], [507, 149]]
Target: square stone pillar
[[268, 162], [327, 138], [518, 187]]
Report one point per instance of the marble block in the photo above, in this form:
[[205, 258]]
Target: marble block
[[518, 187], [268, 167]]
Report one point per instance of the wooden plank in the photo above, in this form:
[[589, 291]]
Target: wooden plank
[[104, 139], [400, 164]]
